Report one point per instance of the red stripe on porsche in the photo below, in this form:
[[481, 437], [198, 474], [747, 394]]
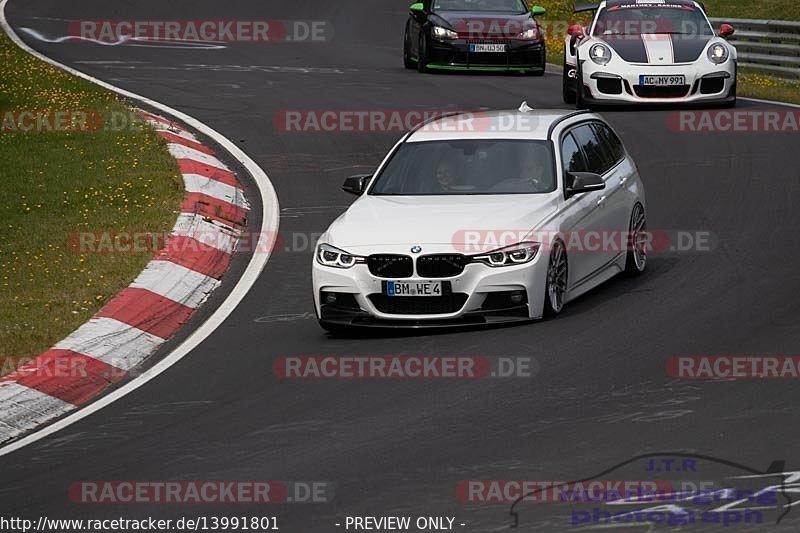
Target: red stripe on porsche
[[214, 208], [69, 376], [147, 311], [195, 255], [177, 139], [190, 166]]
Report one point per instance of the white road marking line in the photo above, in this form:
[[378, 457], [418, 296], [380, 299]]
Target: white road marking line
[[112, 342], [23, 408], [176, 282], [195, 226], [180, 151], [216, 189]]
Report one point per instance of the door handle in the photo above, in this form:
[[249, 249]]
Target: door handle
[[601, 201], [623, 179]]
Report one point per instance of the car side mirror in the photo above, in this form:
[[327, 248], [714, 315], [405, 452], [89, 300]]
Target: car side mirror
[[575, 32], [726, 30], [356, 184], [417, 8], [538, 10], [580, 182]]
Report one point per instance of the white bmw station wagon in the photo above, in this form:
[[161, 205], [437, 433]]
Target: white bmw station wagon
[[483, 218]]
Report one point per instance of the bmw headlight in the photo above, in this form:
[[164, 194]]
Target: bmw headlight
[[600, 53], [718, 53], [531, 34], [331, 256], [516, 254], [443, 33]]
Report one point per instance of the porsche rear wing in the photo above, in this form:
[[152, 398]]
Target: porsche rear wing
[[580, 7]]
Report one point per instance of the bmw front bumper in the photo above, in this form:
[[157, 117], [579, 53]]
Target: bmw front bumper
[[479, 295]]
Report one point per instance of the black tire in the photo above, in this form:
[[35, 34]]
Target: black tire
[[554, 306], [635, 259], [568, 94], [407, 61], [422, 54]]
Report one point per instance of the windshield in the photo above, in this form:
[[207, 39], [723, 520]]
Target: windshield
[[477, 166], [501, 6], [676, 20]]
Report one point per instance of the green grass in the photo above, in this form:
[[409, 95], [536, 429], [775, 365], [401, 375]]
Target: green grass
[[754, 9], [559, 13], [53, 185]]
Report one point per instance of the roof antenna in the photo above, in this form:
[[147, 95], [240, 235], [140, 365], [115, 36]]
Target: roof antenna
[[525, 108]]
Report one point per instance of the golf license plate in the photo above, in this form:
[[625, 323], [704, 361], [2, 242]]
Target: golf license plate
[[414, 288], [662, 81], [492, 48]]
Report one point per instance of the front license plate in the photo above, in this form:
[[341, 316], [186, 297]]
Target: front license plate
[[414, 288], [662, 81], [494, 48]]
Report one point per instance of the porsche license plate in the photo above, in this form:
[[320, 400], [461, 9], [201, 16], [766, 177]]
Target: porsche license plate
[[414, 288], [662, 81], [492, 48]]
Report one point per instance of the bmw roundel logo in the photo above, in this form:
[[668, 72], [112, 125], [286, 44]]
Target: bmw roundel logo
[[416, 249]]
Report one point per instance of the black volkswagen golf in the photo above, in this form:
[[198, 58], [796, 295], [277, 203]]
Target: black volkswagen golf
[[483, 35]]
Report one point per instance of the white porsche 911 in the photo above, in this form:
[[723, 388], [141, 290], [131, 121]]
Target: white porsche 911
[[504, 216], [649, 51]]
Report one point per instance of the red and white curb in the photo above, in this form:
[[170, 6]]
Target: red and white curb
[[131, 326]]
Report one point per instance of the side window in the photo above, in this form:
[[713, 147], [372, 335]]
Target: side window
[[571, 155], [610, 142], [588, 141]]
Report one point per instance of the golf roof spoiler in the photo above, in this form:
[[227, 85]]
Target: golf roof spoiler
[[580, 7]]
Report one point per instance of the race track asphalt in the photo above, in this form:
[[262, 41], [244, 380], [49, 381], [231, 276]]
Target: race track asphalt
[[600, 394]]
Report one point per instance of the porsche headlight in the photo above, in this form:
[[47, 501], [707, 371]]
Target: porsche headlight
[[443, 33], [334, 257], [516, 254], [531, 34], [600, 54], [718, 53]]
